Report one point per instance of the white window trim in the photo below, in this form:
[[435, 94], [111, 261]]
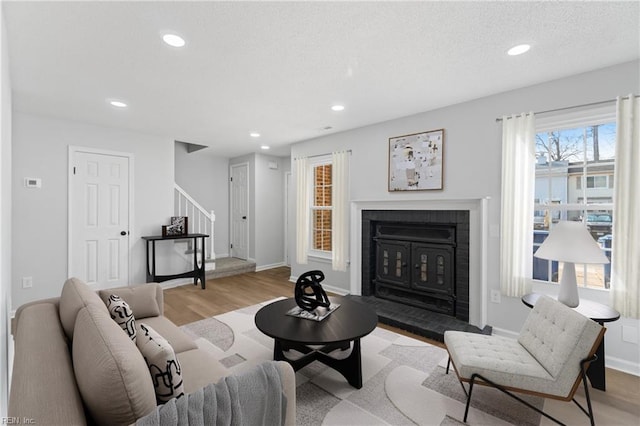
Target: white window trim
[[313, 163]]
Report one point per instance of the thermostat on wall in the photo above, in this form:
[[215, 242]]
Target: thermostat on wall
[[33, 182]]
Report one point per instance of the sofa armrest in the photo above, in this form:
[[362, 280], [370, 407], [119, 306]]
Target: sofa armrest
[[43, 386], [145, 300], [55, 301], [288, 377]]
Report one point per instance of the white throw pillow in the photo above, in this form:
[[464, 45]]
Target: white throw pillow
[[165, 370], [123, 315]]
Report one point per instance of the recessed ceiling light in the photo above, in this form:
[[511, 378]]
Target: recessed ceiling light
[[118, 104], [338, 107], [265, 147], [254, 134], [519, 49], [173, 40]]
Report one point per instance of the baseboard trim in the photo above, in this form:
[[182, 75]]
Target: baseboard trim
[[622, 365], [271, 266], [337, 290], [176, 283], [505, 333]]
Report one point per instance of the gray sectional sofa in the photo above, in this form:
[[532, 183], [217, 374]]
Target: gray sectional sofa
[[74, 365]]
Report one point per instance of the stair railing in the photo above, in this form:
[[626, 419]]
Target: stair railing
[[200, 220]]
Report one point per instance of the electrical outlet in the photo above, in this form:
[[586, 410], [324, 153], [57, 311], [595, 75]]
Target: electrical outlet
[[629, 334], [495, 296], [27, 282]]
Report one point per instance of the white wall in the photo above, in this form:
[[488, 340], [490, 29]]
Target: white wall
[[472, 170], [269, 214], [205, 177], [40, 149], [5, 218]]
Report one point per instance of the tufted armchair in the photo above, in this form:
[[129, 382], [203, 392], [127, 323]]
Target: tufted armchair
[[549, 358]]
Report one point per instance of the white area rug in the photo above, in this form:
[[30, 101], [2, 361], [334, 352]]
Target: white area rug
[[404, 380]]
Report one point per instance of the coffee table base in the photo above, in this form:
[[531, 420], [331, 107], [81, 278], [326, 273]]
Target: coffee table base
[[350, 367]]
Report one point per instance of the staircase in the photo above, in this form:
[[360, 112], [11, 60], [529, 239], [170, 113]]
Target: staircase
[[227, 266], [202, 222]]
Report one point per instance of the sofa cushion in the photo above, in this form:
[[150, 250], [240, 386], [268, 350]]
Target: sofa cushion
[[178, 340], [75, 296], [141, 298], [164, 367], [112, 375], [500, 359], [199, 368], [123, 316]]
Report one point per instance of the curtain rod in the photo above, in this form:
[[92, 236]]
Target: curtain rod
[[572, 107], [319, 155]]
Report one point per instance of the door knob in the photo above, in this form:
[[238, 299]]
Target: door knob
[[244, 217], [123, 233]]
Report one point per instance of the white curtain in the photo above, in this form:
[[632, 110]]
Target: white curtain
[[302, 210], [625, 268], [518, 178], [340, 214]]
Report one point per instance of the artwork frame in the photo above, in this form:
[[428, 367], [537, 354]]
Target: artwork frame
[[179, 226], [416, 161]]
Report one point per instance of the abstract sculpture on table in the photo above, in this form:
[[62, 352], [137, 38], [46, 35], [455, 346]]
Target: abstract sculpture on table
[[571, 243], [308, 292]]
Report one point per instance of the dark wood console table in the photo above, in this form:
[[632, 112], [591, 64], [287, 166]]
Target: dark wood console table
[[599, 313], [198, 271]]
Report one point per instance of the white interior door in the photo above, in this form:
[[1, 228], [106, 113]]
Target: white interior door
[[239, 210], [99, 218]]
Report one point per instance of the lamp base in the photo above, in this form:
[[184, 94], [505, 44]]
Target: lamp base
[[568, 286]]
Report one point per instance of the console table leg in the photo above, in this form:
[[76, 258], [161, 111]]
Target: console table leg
[[202, 272]]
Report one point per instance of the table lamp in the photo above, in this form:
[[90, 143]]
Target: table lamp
[[571, 243]]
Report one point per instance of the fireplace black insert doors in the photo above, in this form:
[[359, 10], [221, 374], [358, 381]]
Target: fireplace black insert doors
[[417, 258], [415, 265]]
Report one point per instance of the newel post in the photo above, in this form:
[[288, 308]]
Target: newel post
[[212, 235]]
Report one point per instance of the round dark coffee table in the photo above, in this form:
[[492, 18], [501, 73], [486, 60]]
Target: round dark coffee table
[[350, 322]]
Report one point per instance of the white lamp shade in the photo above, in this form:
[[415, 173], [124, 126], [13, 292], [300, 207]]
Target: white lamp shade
[[571, 242]]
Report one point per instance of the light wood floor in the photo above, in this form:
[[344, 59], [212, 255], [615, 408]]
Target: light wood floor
[[190, 303]]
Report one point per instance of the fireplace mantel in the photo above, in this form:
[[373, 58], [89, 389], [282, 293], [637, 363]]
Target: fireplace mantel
[[478, 224]]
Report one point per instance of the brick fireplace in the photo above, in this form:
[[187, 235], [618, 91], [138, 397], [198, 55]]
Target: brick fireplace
[[420, 263]]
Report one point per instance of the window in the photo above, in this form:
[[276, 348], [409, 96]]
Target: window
[[321, 209], [596, 182], [574, 181]]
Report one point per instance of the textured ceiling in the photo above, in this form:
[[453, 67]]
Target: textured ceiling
[[277, 67]]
